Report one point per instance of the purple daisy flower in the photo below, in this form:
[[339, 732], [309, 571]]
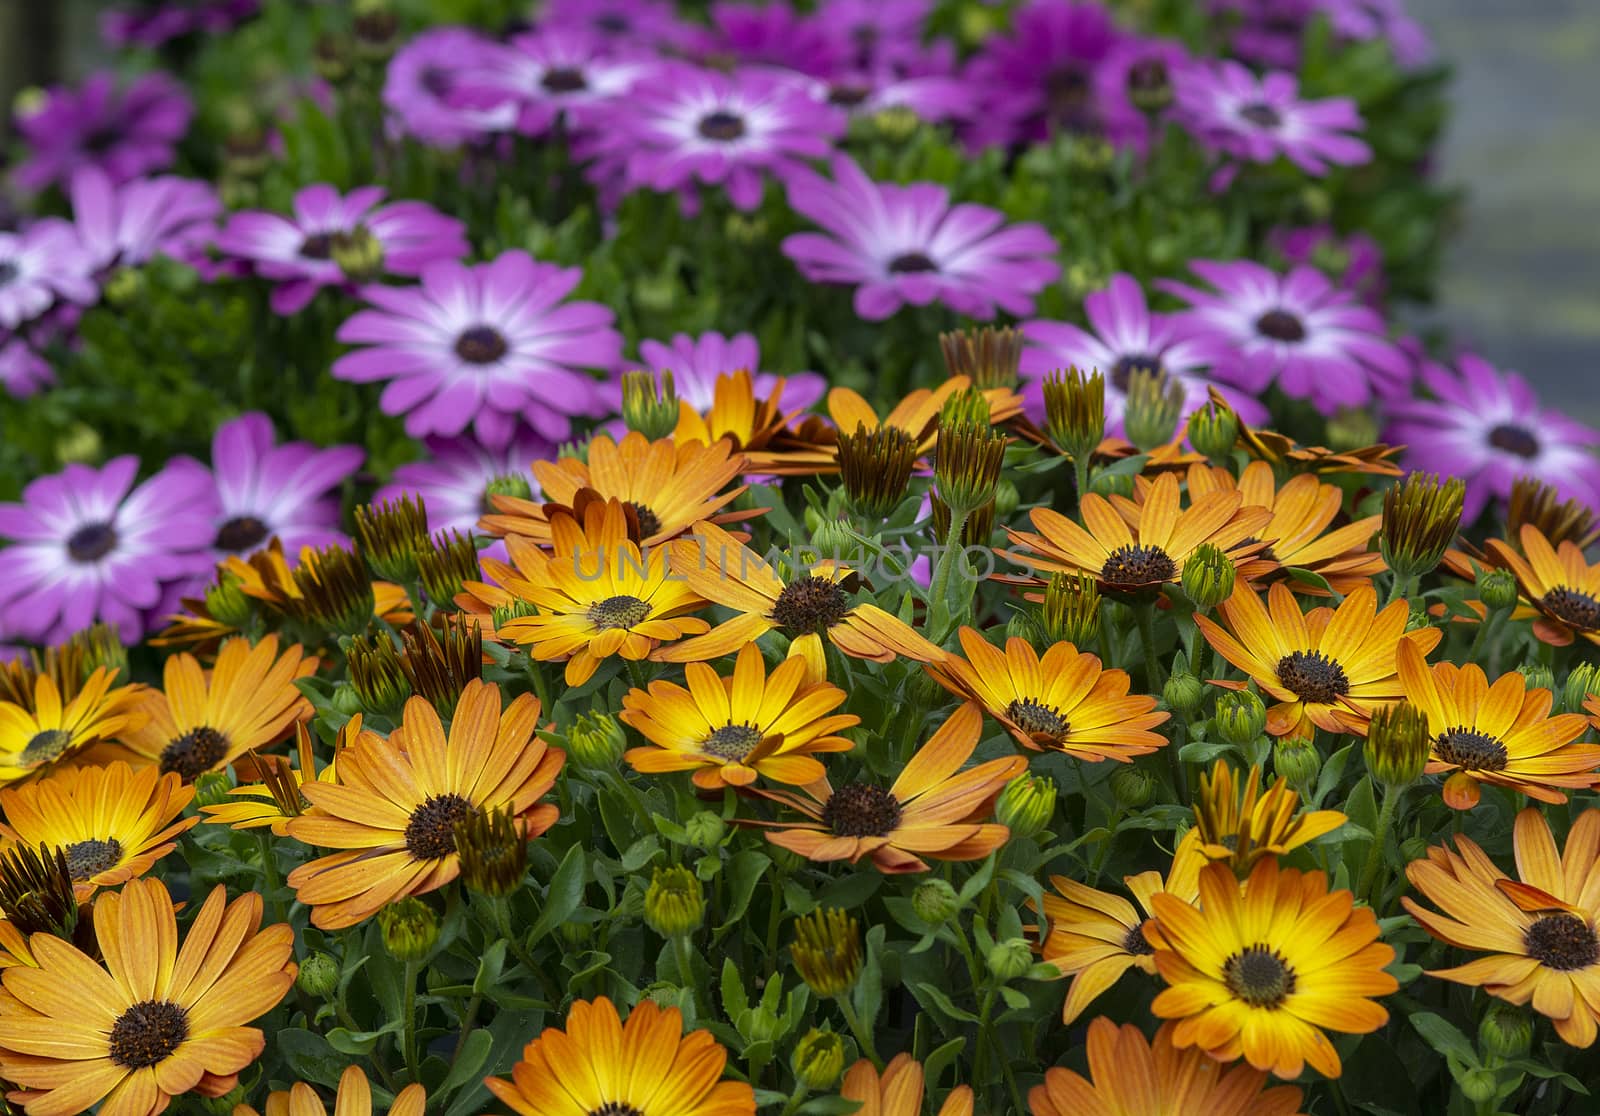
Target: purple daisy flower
[[87, 545], [683, 125], [124, 132], [22, 371], [264, 489], [483, 346], [147, 217], [876, 32], [301, 252], [1317, 341], [922, 81], [151, 26], [650, 23], [1365, 20], [454, 481], [1039, 80], [1124, 337], [1265, 32], [550, 76], [900, 244], [420, 84], [1258, 119], [1134, 81], [1355, 262], [771, 34], [39, 264], [696, 362], [1488, 428]]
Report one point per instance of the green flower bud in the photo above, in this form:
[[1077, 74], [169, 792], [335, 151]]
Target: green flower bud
[[319, 975], [818, 1059], [1006, 500], [831, 538], [966, 462], [1297, 760], [1240, 718], [1418, 617], [875, 468], [335, 589], [746, 229], [1132, 786], [1398, 744], [706, 830], [1413, 848], [1479, 1085], [1421, 515], [1027, 805], [226, 604], [1183, 693], [225, 1104], [897, 123], [1009, 959], [1497, 589], [390, 535], [347, 700], [1075, 411], [376, 29], [377, 677], [124, 286], [935, 902], [1581, 682], [665, 994], [493, 852], [78, 443], [1071, 610], [410, 929], [1352, 428], [1213, 431], [1154, 404], [596, 741], [446, 564], [1538, 676], [506, 484], [648, 409], [1505, 1031], [211, 788], [1111, 484], [1208, 576], [987, 356], [1021, 626], [358, 253], [675, 902], [827, 951]]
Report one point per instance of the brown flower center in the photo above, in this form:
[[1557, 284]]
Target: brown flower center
[[810, 604], [732, 742], [317, 246], [45, 746], [1280, 325], [241, 533], [649, 521], [1037, 719], [1312, 676], [1572, 606], [847, 96], [1563, 942], [431, 832], [195, 752], [92, 542], [618, 612], [481, 345], [563, 79], [1514, 439], [1261, 115], [1138, 565], [1133, 941], [861, 810], [1470, 750], [910, 263], [1259, 977], [724, 127], [148, 1033], [86, 859], [616, 1108]]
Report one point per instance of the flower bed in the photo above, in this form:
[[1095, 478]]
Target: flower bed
[[673, 559]]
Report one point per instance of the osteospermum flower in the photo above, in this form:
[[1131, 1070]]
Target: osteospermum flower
[[202, 721], [898, 1090], [48, 729], [909, 244], [271, 802], [556, 75], [397, 801], [601, 1064], [933, 809], [1315, 340], [420, 84], [1064, 701], [1488, 428], [153, 25], [1501, 734], [1538, 932], [1261, 970], [730, 730], [1127, 338], [681, 127], [331, 239], [1132, 548], [696, 363], [129, 224], [1329, 668], [112, 822], [484, 346], [88, 545], [923, 84], [454, 481], [652, 23], [1560, 584], [876, 31], [353, 1098], [1134, 89], [22, 371], [772, 35], [1131, 1077], [1238, 824], [1094, 936], [39, 265], [155, 1020], [1038, 81], [125, 132], [1258, 119]]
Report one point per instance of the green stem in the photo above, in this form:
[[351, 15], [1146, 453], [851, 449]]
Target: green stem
[[1080, 476], [541, 687], [795, 1099], [1145, 615], [939, 618], [683, 951], [1397, 589], [863, 1036], [408, 1041], [626, 789], [1370, 872], [272, 882], [980, 1066], [469, 1019], [775, 919]]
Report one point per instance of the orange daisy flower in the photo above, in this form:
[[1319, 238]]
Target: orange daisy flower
[[736, 415], [46, 730], [354, 1098], [1240, 824], [1562, 588], [269, 792], [898, 1090]]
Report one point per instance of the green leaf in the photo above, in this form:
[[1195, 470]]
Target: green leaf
[[1547, 1073], [509, 1032], [493, 961], [470, 1062], [734, 1001], [934, 1064], [825, 1106], [1311, 577], [564, 896], [979, 881], [640, 853], [849, 892], [1444, 1037], [929, 994], [310, 1055], [1013, 998], [1204, 751], [745, 872]]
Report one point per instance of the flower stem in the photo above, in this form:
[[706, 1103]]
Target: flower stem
[[683, 951], [1380, 837], [863, 1036], [939, 619], [408, 1042], [1080, 476], [272, 883], [541, 688], [1145, 614], [1397, 589]]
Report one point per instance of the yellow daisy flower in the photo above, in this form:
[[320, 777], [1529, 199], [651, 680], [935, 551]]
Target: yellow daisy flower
[[35, 737]]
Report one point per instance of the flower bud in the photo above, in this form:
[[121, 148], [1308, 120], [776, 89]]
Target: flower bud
[[1071, 610], [390, 535], [1417, 618], [1006, 500], [987, 356], [818, 1059], [493, 852], [1154, 404], [1240, 718], [896, 123], [1581, 682], [335, 590], [1539, 504], [1150, 85], [37, 895], [1352, 428], [446, 564], [507, 484], [595, 741], [226, 602], [1421, 515], [124, 286], [1075, 411], [1183, 693], [1297, 760], [319, 975], [1505, 1031], [650, 410], [935, 902], [966, 464], [1397, 744], [1009, 959], [675, 902], [440, 664], [706, 830], [377, 677], [225, 1105], [1497, 589], [79, 442], [376, 29], [1027, 805], [410, 929], [1019, 625], [1132, 786], [1537, 676], [358, 254], [211, 788], [832, 538], [1213, 431], [1208, 576], [827, 951], [875, 468], [1479, 1084]]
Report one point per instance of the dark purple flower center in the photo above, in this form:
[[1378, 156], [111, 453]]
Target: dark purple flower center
[[861, 810], [1133, 566], [1259, 976], [564, 79], [649, 521], [147, 1033], [1515, 439], [241, 533], [732, 742], [102, 139], [92, 542], [1036, 718], [1312, 676], [1133, 941], [481, 345], [1122, 372], [8, 272], [847, 95], [612, 23], [1280, 325], [724, 127], [317, 246], [1470, 749], [89, 858], [431, 831], [1066, 89], [195, 752], [437, 80], [1261, 115], [911, 262], [1573, 606], [1148, 75], [1563, 942], [810, 604]]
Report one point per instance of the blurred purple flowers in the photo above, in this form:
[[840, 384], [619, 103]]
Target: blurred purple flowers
[[124, 131]]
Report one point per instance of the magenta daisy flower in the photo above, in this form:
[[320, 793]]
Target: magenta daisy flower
[[921, 81], [1355, 262], [302, 252], [1488, 428], [420, 85], [485, 347], [1135, 81], [770, 34], [264, 489], [454, 481], [125, 132], [153, 25], [900, 244], [1124, 337], [87, 545], [146, 217], [39, 264], [644, 23], [876, 32], [1365, 20], [22, 371], [696, 362], [1265, 32], [682, 125], [550, 76], [1258, 119], [1317, 341]]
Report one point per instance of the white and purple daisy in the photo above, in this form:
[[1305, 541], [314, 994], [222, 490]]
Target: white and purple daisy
[[127, 225], [1257, 119], [1134, 86], [303, 252], [485, 347], [551, 76], [1265, 32], [22, 371], [696, 362], [125, 132], [1365, 20], [682, 125], [152, 25], [909, 244], [1354, 262], [421, 82], [1124, 337], [87, 545], [643, 23], [770, 34], [922, 81], [1315, 340], [454, 481], [38, 265], [1488, 428]]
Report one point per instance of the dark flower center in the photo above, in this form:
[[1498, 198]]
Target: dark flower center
[[1122, 372], [437, 80], [811, 604], [1312, 676], [911, 262], [92, 542], [8, 272], [102, 139], [1258, 976], [431, 832], [732, 742], [1037, 719], [860, 810], [195, 752], [148, 1033], [1138, 565], [46, 746], [1562, 942], [847, 96], [1066, 90], [89, 858], [724, 127], [613, 23], [649, 522], [1572, 606], [1470, 750], [618, 612], [1133, 941], [1149, 75], [1261, 115], [1515, 439], [616, 1108], [318, 246], [481, 345], [241, 533], [564, 79], [1280, 325]]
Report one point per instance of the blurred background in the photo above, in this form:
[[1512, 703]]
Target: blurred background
[[1521, 283]]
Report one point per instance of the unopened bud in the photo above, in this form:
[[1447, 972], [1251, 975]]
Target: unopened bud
[[211, 788], [1009, 959], [595, 741], [827, 951], [875, 468], [1479, 1084], [226, 603], [319, 975], [1581, 682], [706, 830], [1208, 576], [818, 1060], [1421, 515], [1183, 693], [1538, 676], [987, 356], [1027, 805], [1132, 786], [410, 929], [674, 903], [966, 464], [935, 902], [1071, 611], [1297, 760], [1075, 411], [358, 254], [1240, 718], [647, 408], [1497, 589], [1154, 405], [1213, 431], [1398, 744], [1506, 1030]]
